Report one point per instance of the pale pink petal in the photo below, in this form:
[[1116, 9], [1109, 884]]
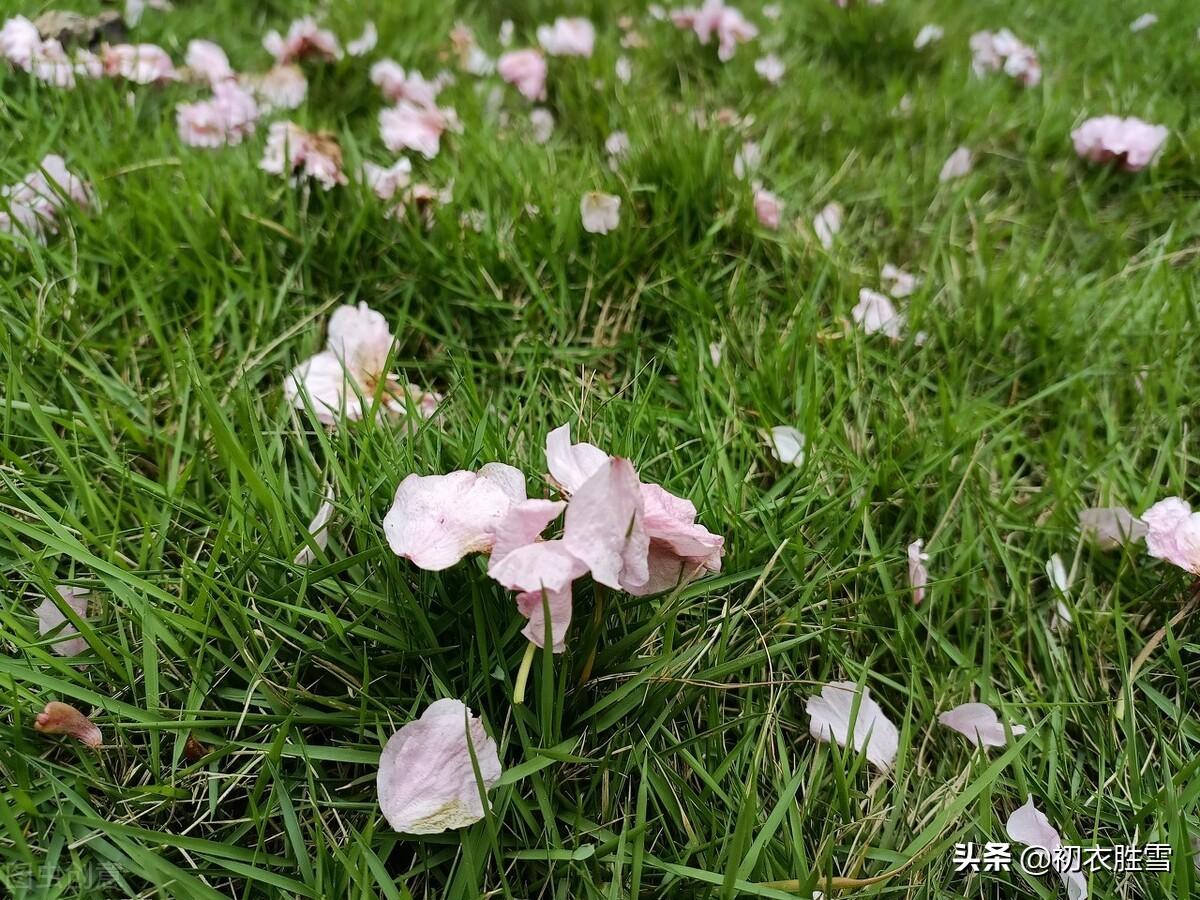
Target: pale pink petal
[[1002, 51], [897, 282], [875, 314], [323, 380], [386, 182], [436, 520], [827, 223], [397, 85], [671, 521], [918, 575], [426, 779], [542, 565], [1173, 533], [541, 124], [570, 465], [531, 606], [830, 720], [360, 336], [1057, 573], [747, 160], [767, 207], [787, 445], [304, 38], [295, 153], [319, 529], [604, 527], [715, 19], [208, 61], [957, 165], [929, 34], [979, 723], [1028, 825], [365, 42], [770, 68], [600, 212], [50, 617], [20, 41], [523, 525], [526, 71], [1142, 22], [567, 37], [226, 119], [1111, 527], [62, 718], [283, 87]]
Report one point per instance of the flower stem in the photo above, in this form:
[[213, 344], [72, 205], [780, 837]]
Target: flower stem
[[523, 674]]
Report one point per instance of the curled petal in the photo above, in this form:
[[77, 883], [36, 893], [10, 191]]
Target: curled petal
[[570, 464], [531, 605], [787, 445], [979, 724], [918, 575], [426, 780], [62, 718], [319, 529], [523, 525]]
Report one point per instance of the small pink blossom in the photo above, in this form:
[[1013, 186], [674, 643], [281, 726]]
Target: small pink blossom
[[1001, 51], [62, 718], [1131, 143], [295, 153], [228, 117], [526, 71], [208, 61], [408, 126], [139, 63], [304, 38], [767, 207], [50, 616], [918, 574], [715, 19], [567, 37], [281, 87], [35, 202], [20, 42], [346, 377], [1173, 533], [600, 212], [426, 780]]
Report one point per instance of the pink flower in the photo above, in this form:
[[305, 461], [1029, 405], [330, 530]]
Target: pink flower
[[139, 63], [918, 575], [227, 118], [979, 724], [365, 42], [426, 779], [714, 18], [282, 87], [346, 378], [567, 37], [1130, 142], [768, 207], [50, 616], [20, 41], [35, 202], [295, 153], [208, 61], [304, 38], [1173, 533], [996, 51], [407, 126], [526, 71], [62, 718], [396, 84], [600, 212]]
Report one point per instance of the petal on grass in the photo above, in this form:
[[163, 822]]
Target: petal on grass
[[830, 717], [62, 718]]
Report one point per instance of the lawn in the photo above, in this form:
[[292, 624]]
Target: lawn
[[150, 455]]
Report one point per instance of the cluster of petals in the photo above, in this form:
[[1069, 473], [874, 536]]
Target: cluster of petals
[[567, 37], [1173, 533], [344, 379], [36, 201], [296, 153], [304, 38], [139, 63], [427, 779], [280, 87], [397, 84], [1130, 143], [526, 71], [715, 19], [995, 51], [628, 534], [45, 59], [415, 126], [229, 116]]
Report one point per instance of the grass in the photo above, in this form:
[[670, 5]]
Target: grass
[[148, 454]]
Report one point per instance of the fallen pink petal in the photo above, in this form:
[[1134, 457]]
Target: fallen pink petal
[[567, 37], [62, 718], [979, 724], [918, 574], [51, 617], [1111, 527], [600, 212], [526, 71], [833, 717], [1129, 143], [1173, 533]]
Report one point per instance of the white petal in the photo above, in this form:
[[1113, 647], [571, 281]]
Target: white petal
[[787, 445], [318, 528], [979, 723], [829, 719]]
